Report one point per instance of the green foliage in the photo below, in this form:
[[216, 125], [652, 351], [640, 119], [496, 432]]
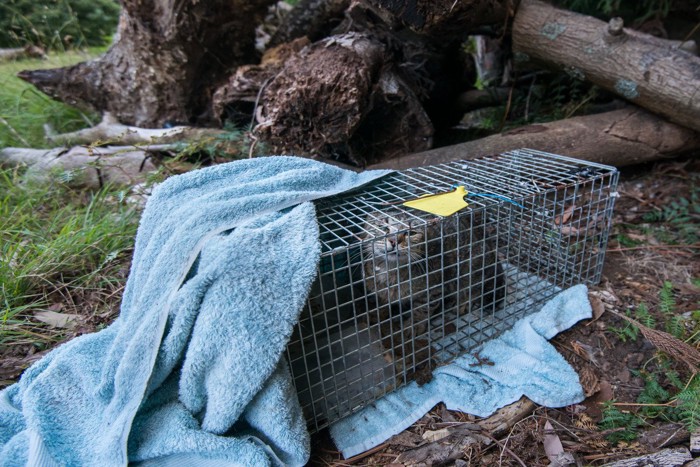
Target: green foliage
[[57, 245], [628, 332], [627, 242], [653, 394], [57, 24], [675, 324], [233, 144], [667, 303], [643, 316], [615, 419], [688, 404], [24, 110], [631, 332], [679, 220], [656, 400]]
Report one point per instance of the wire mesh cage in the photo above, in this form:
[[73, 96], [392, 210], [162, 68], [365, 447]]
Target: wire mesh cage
[[401, 291]]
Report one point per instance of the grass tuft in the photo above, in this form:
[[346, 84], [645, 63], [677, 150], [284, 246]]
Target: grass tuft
[[60, 251]]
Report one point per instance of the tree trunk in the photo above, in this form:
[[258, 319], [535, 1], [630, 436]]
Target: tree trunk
[[166, 58], [644, 70], [621, 137]]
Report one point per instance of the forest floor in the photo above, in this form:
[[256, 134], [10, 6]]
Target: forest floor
[[639, 400]]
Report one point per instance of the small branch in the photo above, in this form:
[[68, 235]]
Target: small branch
[[359, 457], [652, 247], [505, 448], [636, 404]]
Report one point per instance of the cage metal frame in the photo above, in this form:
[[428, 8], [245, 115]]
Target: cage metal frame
[[547, 217]]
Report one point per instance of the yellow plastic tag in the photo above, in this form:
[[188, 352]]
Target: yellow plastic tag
[[442, 204]]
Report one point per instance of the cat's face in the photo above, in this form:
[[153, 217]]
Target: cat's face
[[395, 239]]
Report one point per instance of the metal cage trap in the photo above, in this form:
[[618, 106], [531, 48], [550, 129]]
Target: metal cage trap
[[400, 291]]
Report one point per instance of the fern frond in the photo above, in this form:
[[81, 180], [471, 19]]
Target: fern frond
[[643, 316], [689, 404], [667, 302]]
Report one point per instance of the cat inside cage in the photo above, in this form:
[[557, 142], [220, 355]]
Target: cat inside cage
[[421, 274], [407, 280], [401, 291]]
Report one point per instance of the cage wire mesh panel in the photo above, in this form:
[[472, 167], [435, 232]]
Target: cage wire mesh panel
[[400, 291]]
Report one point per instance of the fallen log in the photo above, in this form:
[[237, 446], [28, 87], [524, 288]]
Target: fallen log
[[30, 51], [82, 167], [219, 145], [110, 131], [506, 417], [444, 450], [621, 137], [671, 457], [647, 71]]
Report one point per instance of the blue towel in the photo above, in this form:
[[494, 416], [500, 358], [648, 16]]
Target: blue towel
[[519, 362], [191, 372]]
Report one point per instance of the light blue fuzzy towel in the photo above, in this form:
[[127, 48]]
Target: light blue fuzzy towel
[[519, 362], [191, 371]]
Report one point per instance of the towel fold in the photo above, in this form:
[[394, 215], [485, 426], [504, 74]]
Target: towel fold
[[191, 372]]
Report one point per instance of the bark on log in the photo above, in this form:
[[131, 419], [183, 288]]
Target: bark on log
[[165, 61], [235, 100], [506, 417], [672, 457], [642, 69], [621, 137], [441, 452], [341, 98]]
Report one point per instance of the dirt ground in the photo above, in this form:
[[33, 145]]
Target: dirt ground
[[653, 246]]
